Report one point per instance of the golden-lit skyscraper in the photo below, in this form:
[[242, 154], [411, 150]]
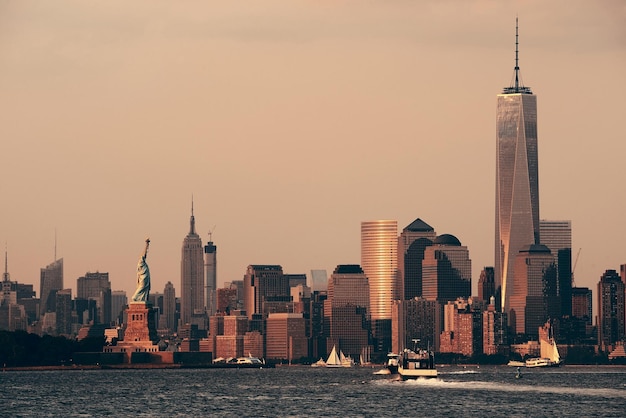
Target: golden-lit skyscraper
[[517, 178], [191, 274], [51, 280], [379, 260]]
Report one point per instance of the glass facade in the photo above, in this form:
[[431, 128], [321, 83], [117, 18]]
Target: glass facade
[[517, 184]]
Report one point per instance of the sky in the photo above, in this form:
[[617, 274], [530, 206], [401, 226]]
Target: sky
[[290, 123]]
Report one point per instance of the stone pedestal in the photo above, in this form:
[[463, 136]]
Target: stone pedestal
[[141, 323]]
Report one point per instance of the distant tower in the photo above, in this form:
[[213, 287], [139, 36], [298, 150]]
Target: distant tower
[[319, 280], [411, 245], [517, 178], [486, 285], [51, 280], [611, 328], [262, 286], [191, 274], [346, 310], [447, 270], [210, 273], [96, 286], [169, 307], [379, 260]]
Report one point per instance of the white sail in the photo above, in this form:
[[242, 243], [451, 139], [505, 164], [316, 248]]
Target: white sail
[[333, 359]]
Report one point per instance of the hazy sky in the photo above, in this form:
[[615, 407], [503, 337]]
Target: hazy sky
[[291, 122]]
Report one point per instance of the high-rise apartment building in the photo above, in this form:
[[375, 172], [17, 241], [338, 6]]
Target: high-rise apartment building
[[51, 280], [557, 236], [411, 245], [210, 274], [582, 304], [379, 260], [611, 320], [192, 275], [517, 178]]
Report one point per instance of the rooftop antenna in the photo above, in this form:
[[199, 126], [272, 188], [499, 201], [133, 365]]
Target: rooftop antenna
[[211, 233], [517, 86], [6, 276]]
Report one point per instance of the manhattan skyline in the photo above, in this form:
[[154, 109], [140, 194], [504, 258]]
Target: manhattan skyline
[[291, 123]]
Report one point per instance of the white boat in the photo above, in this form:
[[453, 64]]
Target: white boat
[[338, 360], [392, 363], [319, 363], [549, 355], [514, 363], [416, 364]]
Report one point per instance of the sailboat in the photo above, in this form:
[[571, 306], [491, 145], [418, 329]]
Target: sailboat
[[338, 360], [549, 355]]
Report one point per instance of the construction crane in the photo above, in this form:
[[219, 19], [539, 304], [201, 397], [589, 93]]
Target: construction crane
[[574, 267]]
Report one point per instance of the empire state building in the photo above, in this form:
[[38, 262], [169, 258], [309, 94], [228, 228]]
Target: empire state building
[[517, 178], [192, 275]]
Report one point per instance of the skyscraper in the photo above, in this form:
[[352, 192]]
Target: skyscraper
[[517, 177], [96, 286], [611, 327], [191, 274], [411, 245], [51, 280], [169, 307], [210, 274], [379, 260], [557, 236]]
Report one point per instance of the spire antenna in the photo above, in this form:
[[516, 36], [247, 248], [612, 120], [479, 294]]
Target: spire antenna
[[192, 220], [5, 276], [517, 86]]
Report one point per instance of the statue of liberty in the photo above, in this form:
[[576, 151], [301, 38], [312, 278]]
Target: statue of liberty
[[143, 277]]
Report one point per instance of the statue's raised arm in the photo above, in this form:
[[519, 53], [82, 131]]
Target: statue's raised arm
[[143, 277]]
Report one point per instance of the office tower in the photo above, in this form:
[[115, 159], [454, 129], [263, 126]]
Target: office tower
[[346, 310], [534, 290], [296, 279], [210, 273], [415, 319], [192, 276], [319, 280], [557, 236], [51, 280], [411, 245], [517, 178], [446, 270], [582, 304], [169, 307], [610, 309], [119, 301], [379, 260], [264, 288], [487, 284], [285, 337], [317, 334], [226, 299], [96, 286], [64, 312]]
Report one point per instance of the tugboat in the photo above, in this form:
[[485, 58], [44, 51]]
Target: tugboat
[[416, 363]]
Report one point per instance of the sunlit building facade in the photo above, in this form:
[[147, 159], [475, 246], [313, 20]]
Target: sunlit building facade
[[517, 179], [51, 280], [379, 260]]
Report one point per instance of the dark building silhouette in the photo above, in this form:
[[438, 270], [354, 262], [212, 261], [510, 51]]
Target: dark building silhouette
[[611, 318], [411, 245]]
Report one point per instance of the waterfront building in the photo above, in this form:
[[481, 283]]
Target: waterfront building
[[210, 273], [611, 320], [192, 308], [346, 310], [285, 337], [379, 260], [517, 178], [415, 319], [412, 242], [557, 236], [532, 297], [51, 280], [96, 286]]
